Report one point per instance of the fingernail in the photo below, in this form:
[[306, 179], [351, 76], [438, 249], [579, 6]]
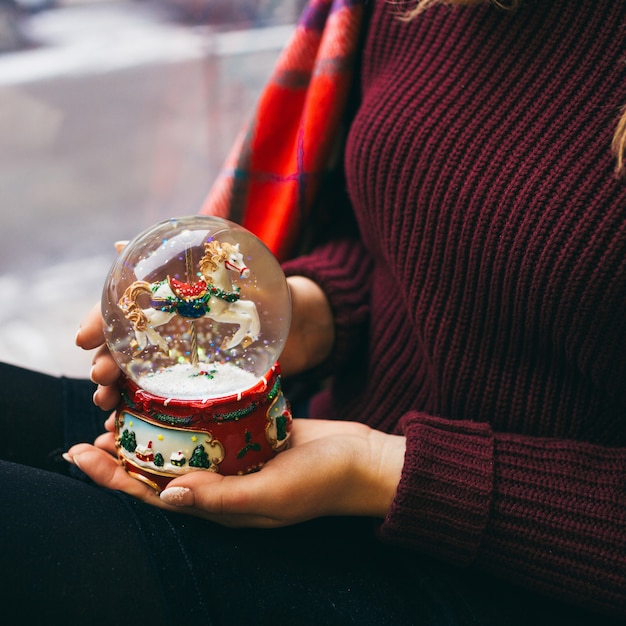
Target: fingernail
[[177, 496], [71, 459]]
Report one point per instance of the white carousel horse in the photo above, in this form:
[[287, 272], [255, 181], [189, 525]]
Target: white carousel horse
[[214, 296]]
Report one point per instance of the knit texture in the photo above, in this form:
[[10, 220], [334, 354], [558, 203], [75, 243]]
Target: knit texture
[[494, 230], [482, 312]]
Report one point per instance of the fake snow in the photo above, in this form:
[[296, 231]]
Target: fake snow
[[202, 382]]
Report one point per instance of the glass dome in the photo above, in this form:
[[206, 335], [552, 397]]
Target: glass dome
[[196, 308]]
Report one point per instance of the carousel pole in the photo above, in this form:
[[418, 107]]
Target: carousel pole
[[192, 324]]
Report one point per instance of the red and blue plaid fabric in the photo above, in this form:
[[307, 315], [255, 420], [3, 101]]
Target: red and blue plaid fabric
[[270, 179]]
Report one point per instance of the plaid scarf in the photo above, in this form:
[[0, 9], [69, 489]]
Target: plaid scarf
[[271, 177]]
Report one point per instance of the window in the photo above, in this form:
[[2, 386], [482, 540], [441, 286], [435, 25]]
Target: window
[[113, 116]]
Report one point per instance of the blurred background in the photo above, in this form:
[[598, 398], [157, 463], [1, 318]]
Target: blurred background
[[114, 114]]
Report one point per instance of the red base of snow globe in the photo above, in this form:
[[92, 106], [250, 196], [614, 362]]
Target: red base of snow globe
[[159, 439]]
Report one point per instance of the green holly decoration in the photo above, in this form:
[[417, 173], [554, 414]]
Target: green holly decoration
[[249, 446]]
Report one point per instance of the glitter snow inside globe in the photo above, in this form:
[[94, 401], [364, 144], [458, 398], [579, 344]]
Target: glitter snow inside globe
[[196, 313]]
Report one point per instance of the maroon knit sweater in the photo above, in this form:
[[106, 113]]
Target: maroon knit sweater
[[483, 312]]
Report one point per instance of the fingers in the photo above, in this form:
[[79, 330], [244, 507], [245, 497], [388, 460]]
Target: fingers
[[332, 468], [227, 500], [90, 334], [107, 472], [105, 373], [182, 493], [120, 245], [272, 497], [106, 398], [109, 424], [104, 369], [106, 442]]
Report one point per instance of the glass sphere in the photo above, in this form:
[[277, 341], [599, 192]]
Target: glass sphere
[[196, 308]]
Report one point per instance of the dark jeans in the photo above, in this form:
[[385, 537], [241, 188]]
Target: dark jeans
[[73, 553]]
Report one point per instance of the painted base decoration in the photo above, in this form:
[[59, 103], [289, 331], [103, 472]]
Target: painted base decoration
[[159, 439]]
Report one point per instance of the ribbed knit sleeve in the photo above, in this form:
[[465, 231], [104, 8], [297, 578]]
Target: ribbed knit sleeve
[[343, 270], [549, 514], [559, 515]]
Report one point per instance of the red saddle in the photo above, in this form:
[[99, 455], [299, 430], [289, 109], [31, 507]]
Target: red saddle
[[187, 291]]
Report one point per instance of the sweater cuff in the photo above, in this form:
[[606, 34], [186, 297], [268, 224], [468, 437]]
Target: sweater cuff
[[443, 499]]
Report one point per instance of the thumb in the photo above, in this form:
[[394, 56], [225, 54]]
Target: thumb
[[199, 488]]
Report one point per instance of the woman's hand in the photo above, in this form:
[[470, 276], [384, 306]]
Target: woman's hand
[[332, 468], [104, 369], [312, 333]]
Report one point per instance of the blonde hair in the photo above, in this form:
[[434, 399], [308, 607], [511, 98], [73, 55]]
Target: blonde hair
[[618, 145], [422, 5]]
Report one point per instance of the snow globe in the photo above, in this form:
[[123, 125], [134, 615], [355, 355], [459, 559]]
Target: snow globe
[[196, 313]]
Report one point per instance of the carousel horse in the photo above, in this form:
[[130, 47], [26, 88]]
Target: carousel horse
[[214, 296]]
